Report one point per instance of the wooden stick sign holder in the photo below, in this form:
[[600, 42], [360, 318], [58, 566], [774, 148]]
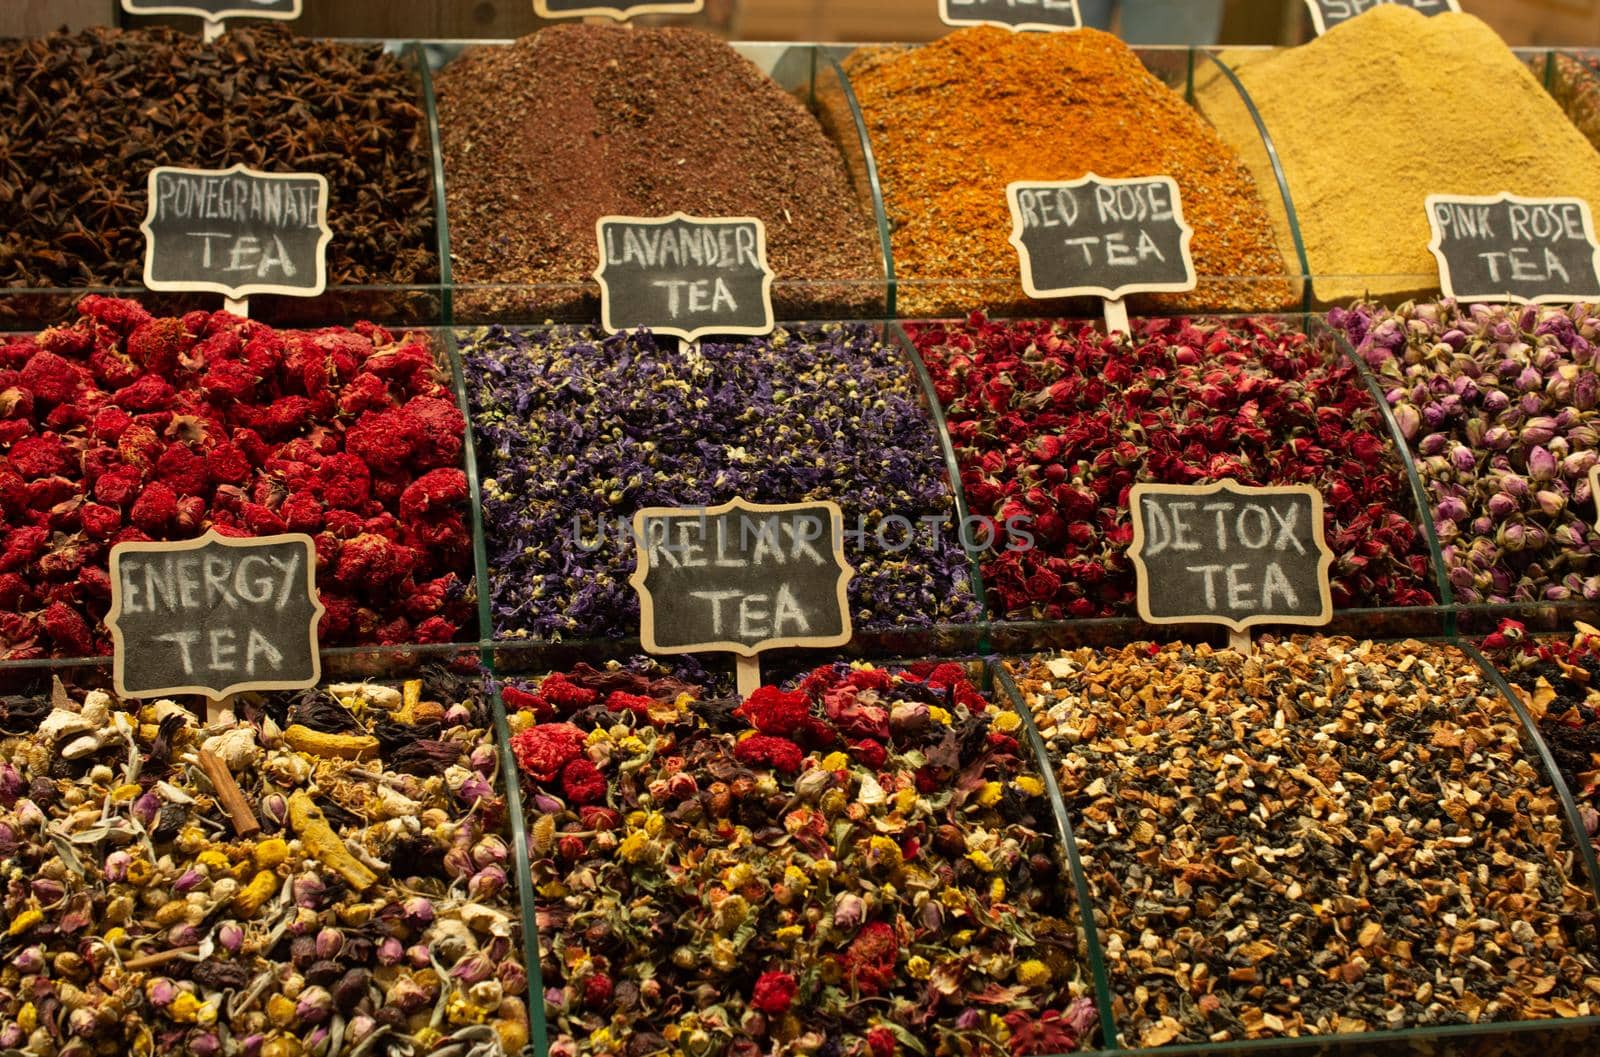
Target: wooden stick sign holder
[[741, 578], [1101, 237]]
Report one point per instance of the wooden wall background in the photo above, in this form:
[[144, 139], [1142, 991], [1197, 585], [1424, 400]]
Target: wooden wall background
[[1521, 22]]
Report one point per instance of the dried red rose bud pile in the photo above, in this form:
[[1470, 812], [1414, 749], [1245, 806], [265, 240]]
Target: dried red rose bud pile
[[866, 862], [1055, 422], [122, 427]]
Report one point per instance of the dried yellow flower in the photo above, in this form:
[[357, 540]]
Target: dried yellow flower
[[989, 796], [271, 853], [1007, 722], [1033, 973], [1030, 785]]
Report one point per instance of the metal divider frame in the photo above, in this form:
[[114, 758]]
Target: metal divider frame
[[440, 200]]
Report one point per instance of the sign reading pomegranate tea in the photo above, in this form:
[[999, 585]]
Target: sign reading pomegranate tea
[[685, 276], [1013, 14], [1509, 248]]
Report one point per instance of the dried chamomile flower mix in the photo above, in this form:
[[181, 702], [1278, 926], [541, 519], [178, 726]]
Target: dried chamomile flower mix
[[1327, 837], [578, 431], [121, 427], [1498, 405], [354, 900], [1559, 680], [1054, 422], [865, 862]]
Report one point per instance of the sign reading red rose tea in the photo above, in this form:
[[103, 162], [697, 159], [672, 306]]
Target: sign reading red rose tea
[[1230, 554]]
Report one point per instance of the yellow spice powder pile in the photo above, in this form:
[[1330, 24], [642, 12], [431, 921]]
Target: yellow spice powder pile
[[1385, 110]]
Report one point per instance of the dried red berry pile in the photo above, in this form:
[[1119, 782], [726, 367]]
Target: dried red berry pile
[[1054, 423], [121, 427]]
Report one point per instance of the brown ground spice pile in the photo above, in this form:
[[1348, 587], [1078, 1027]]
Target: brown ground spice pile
[[576, 122], [953, 122]]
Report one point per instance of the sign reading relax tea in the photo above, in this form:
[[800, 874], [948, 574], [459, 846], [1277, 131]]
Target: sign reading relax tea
[[686, 276], [1509, 248], [1013, 14], [741, 578], [216, 10], [1230, 554], [1101, 237], [620, 12], [1325, 14], [236, 231], [215, 616]]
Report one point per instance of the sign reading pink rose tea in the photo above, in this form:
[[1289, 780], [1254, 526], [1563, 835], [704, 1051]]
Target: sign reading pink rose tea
[[1509, 248], [1325, 14], [1230, 554], [620, 12], [685, 276], [215, 616], [1013, 14], [236, 232], [1101, 237], [216, 10]]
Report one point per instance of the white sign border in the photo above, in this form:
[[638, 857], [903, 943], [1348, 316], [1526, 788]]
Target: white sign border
[[684, 7], [216, 16]]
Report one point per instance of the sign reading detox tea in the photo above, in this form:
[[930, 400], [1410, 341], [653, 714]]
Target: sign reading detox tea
[[741, 577], [686, 276], [214, 616], [1229, 554], [1325, 14], [236, 231], [1509, 248], [216, 10], [1013, 14], [1101, 237], [620, 12]]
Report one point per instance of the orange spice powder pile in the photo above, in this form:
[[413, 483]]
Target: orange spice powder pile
[[953, 122]]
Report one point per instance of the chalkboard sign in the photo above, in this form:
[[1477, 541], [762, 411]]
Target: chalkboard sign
[[236, 231], [1509, 248], [216, 10], [1229, 554], [214, 616], [1013, 14], [741, 578], [683, 275], [1101, 237], [1325, 14], [620, 12]]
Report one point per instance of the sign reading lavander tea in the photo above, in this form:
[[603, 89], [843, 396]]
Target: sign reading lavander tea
[[1509, 248], [217, 615], [1013, 14], [1101, 237], [1325, 14], [620, 12], [216, 10], [685, 276], [1230, 554], [741, 578], [236, 231]]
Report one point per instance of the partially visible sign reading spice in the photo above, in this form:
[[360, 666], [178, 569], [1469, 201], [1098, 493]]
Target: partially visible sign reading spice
[[686, 276], [1325, 14], [620, 12], [1229, 554], [236, 231], [1013, 14], [1509, 248], [216, 10], [741, 577], [217, 615], [1101, 237]]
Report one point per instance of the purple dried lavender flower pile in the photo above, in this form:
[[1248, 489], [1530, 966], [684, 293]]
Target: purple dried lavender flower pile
[[577, 430], [1498, 404]]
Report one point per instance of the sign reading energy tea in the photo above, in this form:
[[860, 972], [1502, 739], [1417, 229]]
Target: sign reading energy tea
[[620, 12], [236, 231], [1013, 14], [215, 616], [1325, 14], [1101, 237], [1229, 554], [686, 276], [216, 10], [1509, 248], [741, 578]]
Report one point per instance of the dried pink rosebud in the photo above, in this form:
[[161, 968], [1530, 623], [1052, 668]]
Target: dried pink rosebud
[[849, 911], [11, 784], [308, 891], [11, 1037], [475, 789], [48, 890], [407, 995], [28, 814], [251, 1046], [188, 881], [204, 1044], [275, 811], [161, 992], [458, 863], [359, 1028], [147, 808], [28, 961], [486, 884], [390, 951], [547, 805], [417, 912], [115, 868], [483, 759], [490, 851], [419, 956], [512, 977], [470, 970], [314, 1005], [329, 943], [304, 922], [230, 937]]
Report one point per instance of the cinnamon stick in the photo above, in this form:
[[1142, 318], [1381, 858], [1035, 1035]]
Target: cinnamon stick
[[151, 960], [244, 820]]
